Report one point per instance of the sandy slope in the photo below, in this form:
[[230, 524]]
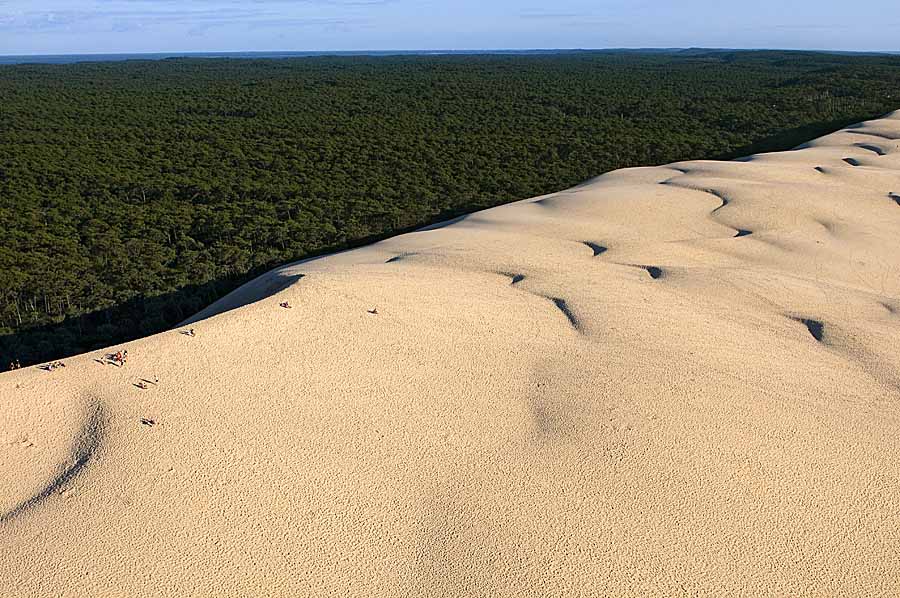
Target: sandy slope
[[522, 417]]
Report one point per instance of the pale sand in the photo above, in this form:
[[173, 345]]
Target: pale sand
[[586, 430]]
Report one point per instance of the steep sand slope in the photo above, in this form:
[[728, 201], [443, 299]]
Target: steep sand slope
[[680, 380]]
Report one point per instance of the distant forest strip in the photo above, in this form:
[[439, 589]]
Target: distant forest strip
[[132, 194]]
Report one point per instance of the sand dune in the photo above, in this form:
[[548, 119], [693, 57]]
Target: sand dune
[[680, 380]]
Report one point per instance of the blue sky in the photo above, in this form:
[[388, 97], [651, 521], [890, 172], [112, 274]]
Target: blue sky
[[88, 26]]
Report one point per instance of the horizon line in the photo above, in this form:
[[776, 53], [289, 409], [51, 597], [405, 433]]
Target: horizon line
[[474, 51], [452, 51]]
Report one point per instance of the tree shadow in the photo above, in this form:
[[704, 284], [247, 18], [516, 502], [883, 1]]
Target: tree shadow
[[127, 321], [147, 315]]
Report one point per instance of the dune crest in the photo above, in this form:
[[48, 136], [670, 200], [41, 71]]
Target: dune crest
[[672, 380]]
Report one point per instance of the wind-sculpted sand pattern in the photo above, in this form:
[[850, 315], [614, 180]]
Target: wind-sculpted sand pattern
[[668, 381]]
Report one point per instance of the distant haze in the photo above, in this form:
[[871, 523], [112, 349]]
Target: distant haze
[[120, 26]]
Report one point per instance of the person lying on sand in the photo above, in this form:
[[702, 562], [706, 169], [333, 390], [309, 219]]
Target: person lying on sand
[[285, 305]]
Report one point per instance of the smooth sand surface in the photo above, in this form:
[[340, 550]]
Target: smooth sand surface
[[600, 392]]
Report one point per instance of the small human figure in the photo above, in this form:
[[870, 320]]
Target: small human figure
[[286, 305], [142, 385], [191, 332], [156, 381], [374, 311]]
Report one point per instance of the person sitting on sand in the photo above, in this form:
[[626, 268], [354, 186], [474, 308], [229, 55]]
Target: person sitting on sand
[[286, 305], [142, 385]]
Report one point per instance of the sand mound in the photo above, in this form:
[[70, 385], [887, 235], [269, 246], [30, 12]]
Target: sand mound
[[680, 380]]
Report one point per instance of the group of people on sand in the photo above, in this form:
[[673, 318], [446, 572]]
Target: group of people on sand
[[53, 365], [120, 357]]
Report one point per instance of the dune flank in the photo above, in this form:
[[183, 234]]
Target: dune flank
[[668, 381]]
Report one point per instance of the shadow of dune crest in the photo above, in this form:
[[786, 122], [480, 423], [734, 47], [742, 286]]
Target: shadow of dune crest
[[81, 455], [871, 148], [267, 285], [563, 306], [596, 248], [816, 328]]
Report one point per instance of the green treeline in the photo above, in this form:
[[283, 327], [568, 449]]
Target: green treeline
[[134, 193]]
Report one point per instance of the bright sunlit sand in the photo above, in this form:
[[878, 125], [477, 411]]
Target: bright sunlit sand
[[680, 380]]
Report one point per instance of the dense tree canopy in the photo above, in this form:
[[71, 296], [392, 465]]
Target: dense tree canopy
[[134, 193]]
